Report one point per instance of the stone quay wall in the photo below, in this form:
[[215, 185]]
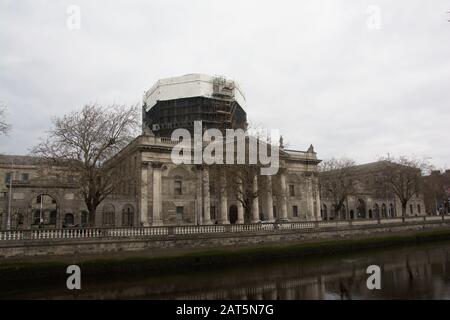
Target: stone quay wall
[[101, 244]]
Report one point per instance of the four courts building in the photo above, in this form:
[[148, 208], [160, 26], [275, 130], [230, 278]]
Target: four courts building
[[165, 193], [156, 191]]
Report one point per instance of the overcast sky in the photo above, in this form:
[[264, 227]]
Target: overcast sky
[[328, 73]]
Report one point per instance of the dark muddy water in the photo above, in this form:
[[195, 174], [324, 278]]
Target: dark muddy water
[[420, 272]]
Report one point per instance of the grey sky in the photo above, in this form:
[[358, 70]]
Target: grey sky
[[313, 69]]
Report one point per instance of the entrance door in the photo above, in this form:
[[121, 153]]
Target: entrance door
[[233, 214]]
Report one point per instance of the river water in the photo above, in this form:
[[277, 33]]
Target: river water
[[417, 272]]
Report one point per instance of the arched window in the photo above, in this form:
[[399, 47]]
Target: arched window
[[109, 216], [127, 216], [418, 209], [69, 220]]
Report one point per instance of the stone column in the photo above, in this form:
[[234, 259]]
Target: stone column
[[223, 200], [255, 206], [206, 197], [310, 199], [240, 207], [144, 194], [157, 194], [284, 214], [318, 204], [269, 199]]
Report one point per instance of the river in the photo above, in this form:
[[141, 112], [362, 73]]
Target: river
[[416, 272]]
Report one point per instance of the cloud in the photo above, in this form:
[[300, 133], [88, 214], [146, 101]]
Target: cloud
[[312, 69]]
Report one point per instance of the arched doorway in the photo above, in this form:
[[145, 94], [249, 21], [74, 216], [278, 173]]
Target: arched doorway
[[361, 209], [233, 214], [44, 211]]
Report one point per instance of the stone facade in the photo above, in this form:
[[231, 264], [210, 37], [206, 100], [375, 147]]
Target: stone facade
[[156, 192], [366, 201], [170, 194], [39, 195]]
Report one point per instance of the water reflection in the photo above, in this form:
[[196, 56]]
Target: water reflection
[[408, 273]]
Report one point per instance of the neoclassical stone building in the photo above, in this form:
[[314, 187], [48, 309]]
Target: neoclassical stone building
[[167, 194], [35, 194], [367, 201], [155, 191]]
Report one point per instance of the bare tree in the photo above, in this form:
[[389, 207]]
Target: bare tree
[[4, 126], [436, 188], [335, 181], [83, 141], [240, 178], [402, 176]]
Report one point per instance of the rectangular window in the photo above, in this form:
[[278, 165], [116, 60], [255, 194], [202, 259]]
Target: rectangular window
[[291, 190], [180, 213], [295, 211], [274, 211], [178, 187], [8, 177], [24, 177]]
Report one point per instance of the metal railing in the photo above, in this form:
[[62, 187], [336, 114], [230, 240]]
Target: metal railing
[[149, 232]]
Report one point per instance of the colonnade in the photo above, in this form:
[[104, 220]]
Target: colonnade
[[203, 200]]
